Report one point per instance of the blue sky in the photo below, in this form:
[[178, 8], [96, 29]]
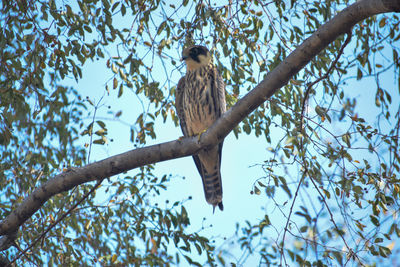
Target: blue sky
[[239, 169], [239, 161]]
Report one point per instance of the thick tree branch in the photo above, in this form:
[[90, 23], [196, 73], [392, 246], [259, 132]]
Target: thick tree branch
[[277, 78]]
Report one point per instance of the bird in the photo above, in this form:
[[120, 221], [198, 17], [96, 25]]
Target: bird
[[199, 102]]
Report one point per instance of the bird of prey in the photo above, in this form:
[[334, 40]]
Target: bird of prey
[[199, 102]]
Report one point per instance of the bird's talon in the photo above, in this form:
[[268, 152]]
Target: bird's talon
[[199, 135]]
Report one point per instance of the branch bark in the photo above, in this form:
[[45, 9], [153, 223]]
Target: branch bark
[[340, 24]]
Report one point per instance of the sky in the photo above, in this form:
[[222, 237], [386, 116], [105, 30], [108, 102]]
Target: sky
[[240, 167], [238, 164]]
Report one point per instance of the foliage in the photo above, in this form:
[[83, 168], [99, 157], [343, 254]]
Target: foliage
[[335, 164]]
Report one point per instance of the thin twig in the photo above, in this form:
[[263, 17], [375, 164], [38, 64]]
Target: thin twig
[[351, 252], [306, 95], [96, 107], [288, 220], [309, 87]]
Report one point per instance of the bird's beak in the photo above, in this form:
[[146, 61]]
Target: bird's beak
[[184, 58]]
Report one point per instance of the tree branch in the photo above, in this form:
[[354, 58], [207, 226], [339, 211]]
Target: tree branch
[[57, 221], [275, 79]]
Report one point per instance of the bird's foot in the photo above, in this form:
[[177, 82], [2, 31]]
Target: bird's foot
[[199, 135]]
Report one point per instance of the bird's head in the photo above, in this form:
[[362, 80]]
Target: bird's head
[[196, 57]]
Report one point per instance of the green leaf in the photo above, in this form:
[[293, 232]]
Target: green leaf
[[346, 138], [374, 220], [161, 27], [121, 90]]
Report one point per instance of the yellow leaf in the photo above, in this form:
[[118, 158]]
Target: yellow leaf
[[154, 248], [114, 68], [391, 246], [114, 258], [87, 225], [382, 23]]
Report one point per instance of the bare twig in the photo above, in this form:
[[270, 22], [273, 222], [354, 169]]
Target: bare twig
[[309, 87], [350, 250], [288, 221]]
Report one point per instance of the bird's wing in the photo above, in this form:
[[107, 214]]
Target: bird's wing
[[219, 96], [179, 105], [219, 93]]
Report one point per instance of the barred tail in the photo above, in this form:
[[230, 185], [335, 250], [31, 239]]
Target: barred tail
[[208, 163], [213, 188]]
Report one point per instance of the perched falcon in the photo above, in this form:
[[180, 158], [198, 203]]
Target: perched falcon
[[200, 101]]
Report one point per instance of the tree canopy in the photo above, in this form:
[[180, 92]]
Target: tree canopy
[[317, 81]]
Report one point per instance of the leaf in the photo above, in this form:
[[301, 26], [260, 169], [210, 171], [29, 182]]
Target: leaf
[[391, 246], [114, 258], [99, 142], [87, 28], [198, 248], [327, 193], [261, 184], [121, 90], [303, 229], [270, 191], [101, 132], [101, 124], [256, 190], [154, 247], [359, 74], [360, 226], [320, 111], [114, 68], [304, 215], [284, 186], [123, 10], [346, 139], [374, 220], [382, 22], [161, 28], [384, 251]]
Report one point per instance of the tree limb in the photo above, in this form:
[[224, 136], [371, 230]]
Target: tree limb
[[275, 79]]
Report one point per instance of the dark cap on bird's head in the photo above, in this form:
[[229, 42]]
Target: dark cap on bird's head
[[196, 56]]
